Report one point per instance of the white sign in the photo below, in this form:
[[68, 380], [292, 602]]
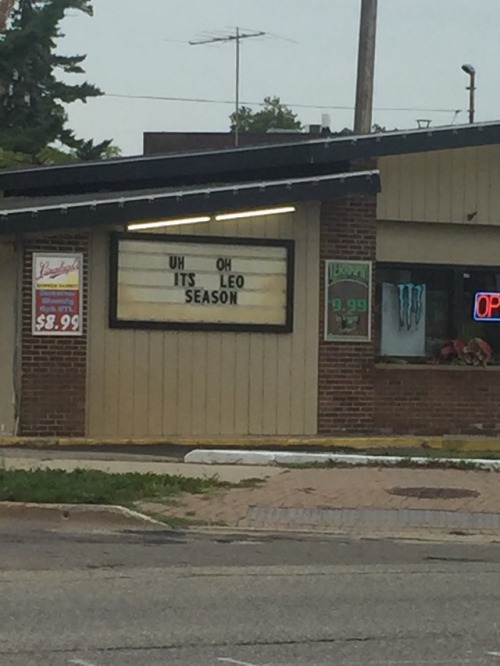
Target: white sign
[[194, 282], [57, 294]]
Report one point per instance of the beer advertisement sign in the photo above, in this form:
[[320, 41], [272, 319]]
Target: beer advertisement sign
[[348, 286], [57, 294]]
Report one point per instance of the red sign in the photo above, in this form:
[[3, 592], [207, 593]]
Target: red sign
[[487, 306], [57, 303]]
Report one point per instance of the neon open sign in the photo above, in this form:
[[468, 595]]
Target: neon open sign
[[487, 306]]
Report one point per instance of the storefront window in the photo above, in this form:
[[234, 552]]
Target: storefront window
[[475, 281], [420, 308]]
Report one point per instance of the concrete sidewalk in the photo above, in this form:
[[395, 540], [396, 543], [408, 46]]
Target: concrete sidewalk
[[12, 458], [363, 499]]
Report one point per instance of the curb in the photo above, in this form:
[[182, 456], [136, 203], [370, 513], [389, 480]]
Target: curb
[[387, 520], [287, 458], [422, 535], [443, 443], [109, 516]]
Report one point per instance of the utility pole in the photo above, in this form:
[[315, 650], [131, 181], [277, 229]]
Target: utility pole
[[366, 67], [236, 38]]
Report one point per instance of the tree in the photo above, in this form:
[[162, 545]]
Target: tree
[[273, 115], [88, 150], [5, 9], [32, 98]]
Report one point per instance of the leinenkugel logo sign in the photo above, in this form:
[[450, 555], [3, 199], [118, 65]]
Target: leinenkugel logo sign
[[348, 300], [57, 294]]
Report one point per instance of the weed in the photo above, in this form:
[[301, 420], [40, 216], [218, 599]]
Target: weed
[[96, 487], [252, 482]]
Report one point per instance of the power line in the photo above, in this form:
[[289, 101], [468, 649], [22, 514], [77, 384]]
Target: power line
[[204, 100]]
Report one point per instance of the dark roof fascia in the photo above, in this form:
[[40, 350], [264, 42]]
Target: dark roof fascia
[[124, 210], [224, 166], [249, 163]]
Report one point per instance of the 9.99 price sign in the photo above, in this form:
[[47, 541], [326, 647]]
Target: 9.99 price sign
[[57, 298]]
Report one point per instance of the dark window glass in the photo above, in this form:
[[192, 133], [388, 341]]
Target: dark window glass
[[420, 307], [473, 282]]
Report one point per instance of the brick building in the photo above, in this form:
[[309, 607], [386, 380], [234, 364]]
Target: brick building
[[296, 288]]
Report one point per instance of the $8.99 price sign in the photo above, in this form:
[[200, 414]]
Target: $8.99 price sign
[[57, 322], [57, 298]]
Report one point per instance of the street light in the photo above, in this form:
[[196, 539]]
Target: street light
[[469, 69]]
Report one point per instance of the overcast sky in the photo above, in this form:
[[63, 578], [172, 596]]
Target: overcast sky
[[137, 47]]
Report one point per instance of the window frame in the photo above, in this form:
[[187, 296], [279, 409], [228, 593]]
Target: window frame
[[456, 307]]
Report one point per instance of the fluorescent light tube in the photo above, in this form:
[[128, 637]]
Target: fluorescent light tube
[[255, 213], [136, 226]]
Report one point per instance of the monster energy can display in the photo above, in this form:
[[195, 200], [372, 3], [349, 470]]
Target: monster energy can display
[[403, 319]]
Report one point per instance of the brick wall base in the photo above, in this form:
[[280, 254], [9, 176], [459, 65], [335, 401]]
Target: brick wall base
[[53, 369], [346, 369], [437, 401]]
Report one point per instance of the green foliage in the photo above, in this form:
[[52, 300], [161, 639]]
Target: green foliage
[[52, 155], [32, 98], [88, 150], [273, 115], [10, 159], [95, 487]]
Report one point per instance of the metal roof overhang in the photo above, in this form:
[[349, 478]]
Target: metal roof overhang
[[122, 210], [303, 158]]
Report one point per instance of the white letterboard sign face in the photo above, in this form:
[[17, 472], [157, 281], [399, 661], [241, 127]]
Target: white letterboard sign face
[[201, 282]]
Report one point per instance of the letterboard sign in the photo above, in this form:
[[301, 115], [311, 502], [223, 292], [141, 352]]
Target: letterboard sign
[[201, 283], [348, 301]]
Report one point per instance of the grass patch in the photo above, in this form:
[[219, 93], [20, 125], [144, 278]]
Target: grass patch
[[96, 487], [415, 452], [252, 482], [430, 463]]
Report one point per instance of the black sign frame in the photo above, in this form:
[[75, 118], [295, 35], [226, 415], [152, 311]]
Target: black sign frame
[[116, 322]]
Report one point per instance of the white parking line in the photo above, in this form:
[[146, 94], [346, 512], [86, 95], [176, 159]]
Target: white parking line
[[494, 654], [418, 662], [433, 662], [80, 662], [237, 663]]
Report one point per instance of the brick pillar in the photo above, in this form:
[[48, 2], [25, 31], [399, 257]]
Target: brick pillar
[[346, 369], [53, 369]]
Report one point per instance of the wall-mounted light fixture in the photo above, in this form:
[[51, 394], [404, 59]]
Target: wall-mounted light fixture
[[158, 224], [255, 213]]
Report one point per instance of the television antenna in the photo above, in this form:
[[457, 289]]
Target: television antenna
[[236, 38]]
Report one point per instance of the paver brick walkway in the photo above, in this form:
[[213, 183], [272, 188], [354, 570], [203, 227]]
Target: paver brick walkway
[[360, 488]]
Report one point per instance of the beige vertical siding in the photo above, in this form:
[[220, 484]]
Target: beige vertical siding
[[459, 185], [8, 301], [437, 244], [161, 383]]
